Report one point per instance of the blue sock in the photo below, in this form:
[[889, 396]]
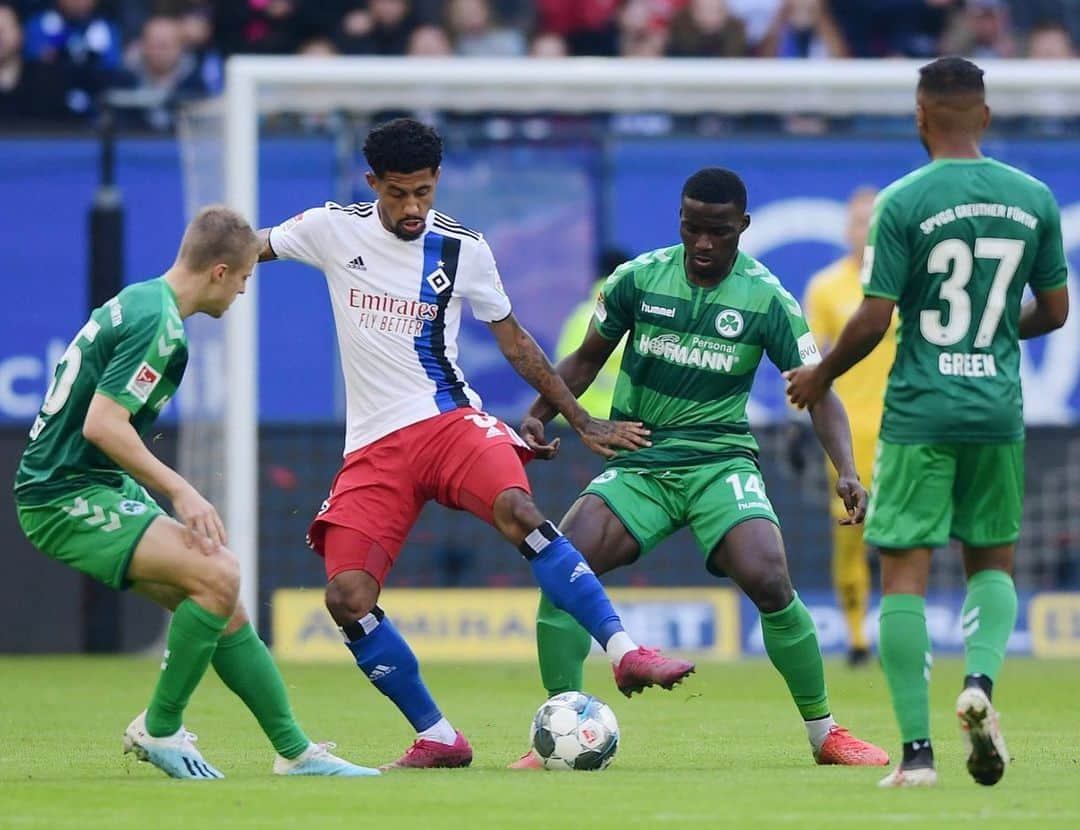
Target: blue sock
[[569, 582], [384, 656]]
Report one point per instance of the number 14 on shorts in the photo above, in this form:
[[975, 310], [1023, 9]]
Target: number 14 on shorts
[[749, 490]]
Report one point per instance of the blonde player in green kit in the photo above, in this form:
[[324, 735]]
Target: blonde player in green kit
[[953, 245], [80, 497]]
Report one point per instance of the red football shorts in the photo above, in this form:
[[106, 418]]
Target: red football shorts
[[462, 459]]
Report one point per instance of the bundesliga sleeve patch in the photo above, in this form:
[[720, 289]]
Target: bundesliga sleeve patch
[[144, 380], [601, 310]]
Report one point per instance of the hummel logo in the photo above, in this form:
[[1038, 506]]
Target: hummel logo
[[660, 310], [356, 264], [580, 570], [380, 671]]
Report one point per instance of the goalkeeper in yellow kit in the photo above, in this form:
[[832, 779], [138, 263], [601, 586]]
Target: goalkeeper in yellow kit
[[832, 296]]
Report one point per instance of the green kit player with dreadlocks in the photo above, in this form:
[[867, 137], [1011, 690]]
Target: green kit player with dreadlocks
[[953, 245], [698, 317], [80, 499]]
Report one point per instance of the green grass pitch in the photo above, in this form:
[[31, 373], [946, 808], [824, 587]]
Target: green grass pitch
[[726, 749]]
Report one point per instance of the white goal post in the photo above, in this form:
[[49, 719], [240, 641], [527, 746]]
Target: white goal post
[[259, 85]]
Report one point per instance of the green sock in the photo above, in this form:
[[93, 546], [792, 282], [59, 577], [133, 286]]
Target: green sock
[[904, 643], [562, 646], [988, 619], [792, 645], [192, 638], [243, 662]]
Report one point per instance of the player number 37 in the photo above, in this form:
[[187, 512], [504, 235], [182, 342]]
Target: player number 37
[[955, 256]]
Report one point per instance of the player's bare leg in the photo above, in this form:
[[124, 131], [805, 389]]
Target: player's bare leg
[[210, 584], [988, 618], [386, 659], [752, 554], [571, 584], [904, 644]]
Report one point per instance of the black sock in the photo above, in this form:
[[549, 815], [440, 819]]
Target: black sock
[[918, 754], [980, 681]]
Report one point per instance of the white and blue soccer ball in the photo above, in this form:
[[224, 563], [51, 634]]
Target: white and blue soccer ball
[[573, 730]]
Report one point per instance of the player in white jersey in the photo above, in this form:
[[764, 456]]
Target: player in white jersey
[[398, 272]]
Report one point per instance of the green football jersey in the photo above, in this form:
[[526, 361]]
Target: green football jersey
[[692, 352], [133, 349], [954, 243]]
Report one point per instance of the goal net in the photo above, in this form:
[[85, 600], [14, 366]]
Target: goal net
[[557, 162]]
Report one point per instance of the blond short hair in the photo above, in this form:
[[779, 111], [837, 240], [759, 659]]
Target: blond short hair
[[217, 234]]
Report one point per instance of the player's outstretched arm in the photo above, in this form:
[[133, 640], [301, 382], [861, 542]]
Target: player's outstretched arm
[[1046, 312], [108, 427], [529, 361], [807, 385], [834, 432]]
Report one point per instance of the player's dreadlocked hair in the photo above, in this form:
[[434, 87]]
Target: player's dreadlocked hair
[[715, 185], [951, 76], [403, 145]]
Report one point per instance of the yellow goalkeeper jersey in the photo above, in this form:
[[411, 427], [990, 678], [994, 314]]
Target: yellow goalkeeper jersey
[[832, 296]]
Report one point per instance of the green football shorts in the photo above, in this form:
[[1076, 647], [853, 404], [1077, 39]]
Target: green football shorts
[[93, 529], [925, 494], [711, 499]]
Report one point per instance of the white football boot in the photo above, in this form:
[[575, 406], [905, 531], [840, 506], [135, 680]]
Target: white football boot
[[318, 760], [175, 754], [917, 777]]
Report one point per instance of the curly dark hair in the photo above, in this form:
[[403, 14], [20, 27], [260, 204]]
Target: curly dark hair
[[403, 145]]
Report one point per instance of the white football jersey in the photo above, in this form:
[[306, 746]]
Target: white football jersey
[[397, 309]]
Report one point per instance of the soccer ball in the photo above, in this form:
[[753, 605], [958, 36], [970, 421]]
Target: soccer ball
[[574, 731]]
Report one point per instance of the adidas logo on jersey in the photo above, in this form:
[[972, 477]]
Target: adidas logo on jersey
[[357, 264], [579, 570], [380, 671]]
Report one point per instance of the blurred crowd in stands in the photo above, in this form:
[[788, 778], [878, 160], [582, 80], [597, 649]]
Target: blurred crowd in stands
[[57, 56]]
